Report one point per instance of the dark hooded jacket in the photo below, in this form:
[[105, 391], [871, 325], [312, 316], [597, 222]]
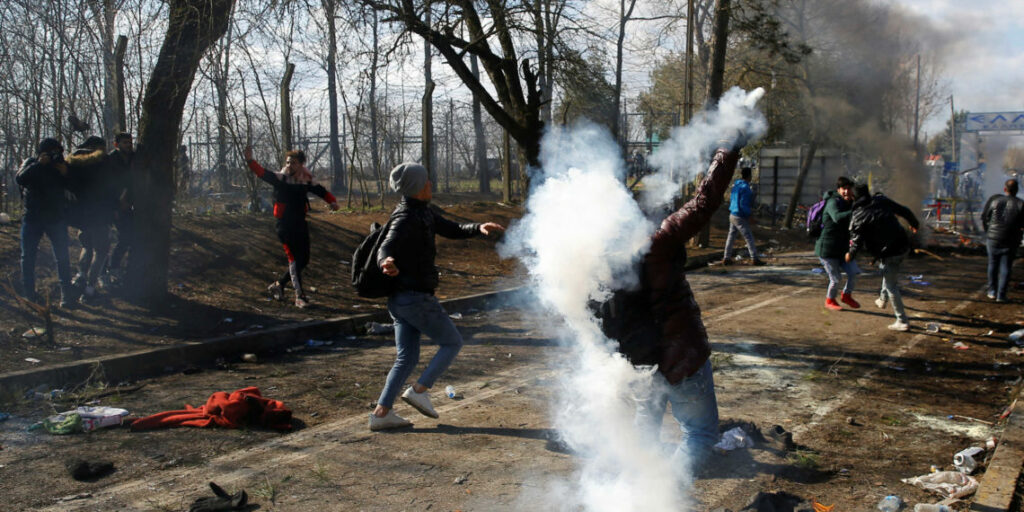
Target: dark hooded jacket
[[874, 227], [1003, 218], [660, 323], [45, 191], [410, 241]]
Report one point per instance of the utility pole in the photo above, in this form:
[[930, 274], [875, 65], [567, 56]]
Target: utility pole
[[688, 89]]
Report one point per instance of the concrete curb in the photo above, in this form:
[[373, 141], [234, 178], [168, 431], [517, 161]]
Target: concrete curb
[[997, 487], [145, 363]]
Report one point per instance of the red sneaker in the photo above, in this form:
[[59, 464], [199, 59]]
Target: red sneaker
[[832, 304], [848, 300]]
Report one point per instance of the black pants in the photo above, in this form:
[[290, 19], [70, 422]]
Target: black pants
[[295, 239], [124, 225]]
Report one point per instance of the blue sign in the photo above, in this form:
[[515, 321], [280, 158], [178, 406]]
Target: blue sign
[[995, 121]]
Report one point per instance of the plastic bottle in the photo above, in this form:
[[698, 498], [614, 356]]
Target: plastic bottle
[[890, 503], [931, 507], [450, 391]]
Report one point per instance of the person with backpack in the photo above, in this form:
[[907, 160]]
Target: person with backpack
[[874, 228], [834, 241], [659, 323], [740, 206], [292, 186], [407, 255], [1003, 219]]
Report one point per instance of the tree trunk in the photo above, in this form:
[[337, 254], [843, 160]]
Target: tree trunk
[[798, 187], [429, 157], [716, 77], [625, 13], [374, 124], [119, 52], [337, 162], [220, 75], [193, 25], [479, 137], [286, 107]]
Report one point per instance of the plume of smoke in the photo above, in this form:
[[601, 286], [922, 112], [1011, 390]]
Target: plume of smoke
[[581, 238], [685, 153]]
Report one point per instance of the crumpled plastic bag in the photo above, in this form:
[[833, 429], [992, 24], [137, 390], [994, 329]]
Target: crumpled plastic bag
[[948, 484], [733, 439], [1017, 337], [376, 328]]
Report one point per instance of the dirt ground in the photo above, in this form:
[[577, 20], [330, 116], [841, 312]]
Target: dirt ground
[[867, 406]]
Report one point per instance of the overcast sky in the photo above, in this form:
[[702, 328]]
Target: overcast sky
[[985, 64]]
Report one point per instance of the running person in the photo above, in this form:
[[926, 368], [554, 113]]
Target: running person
[[291, 185]]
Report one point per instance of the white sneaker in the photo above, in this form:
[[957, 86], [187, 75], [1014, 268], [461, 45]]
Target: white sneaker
[[419, 401], [899, 326], [389, 421], [880, 302], [991, 295]]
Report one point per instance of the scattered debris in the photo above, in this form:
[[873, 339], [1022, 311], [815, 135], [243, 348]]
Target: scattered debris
[[33, 360], [455, 316], [948, 484], [73, 497], [733, 439], [1008, 410], [965, 460], [890, 503], [220, 501], [960, 346], [932, 327], [461, 479], [249, 358], [34, 332], [376, 328], [1017, 337]]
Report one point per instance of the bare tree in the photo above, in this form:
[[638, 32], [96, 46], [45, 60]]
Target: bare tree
[[193, 25]]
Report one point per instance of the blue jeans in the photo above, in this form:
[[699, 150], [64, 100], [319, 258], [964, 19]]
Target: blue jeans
[[32, 232], [833, 267], [740, 225], [1000, 260], [890, 268], [695, 408], [415, 314]]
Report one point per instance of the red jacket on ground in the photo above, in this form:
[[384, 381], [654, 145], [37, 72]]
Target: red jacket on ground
[[243, 407]]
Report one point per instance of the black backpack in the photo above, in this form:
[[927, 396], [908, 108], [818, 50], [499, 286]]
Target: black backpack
[[367, 277], [627, 318]]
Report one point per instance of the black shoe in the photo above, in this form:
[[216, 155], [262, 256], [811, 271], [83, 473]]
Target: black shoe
[[726, 261]]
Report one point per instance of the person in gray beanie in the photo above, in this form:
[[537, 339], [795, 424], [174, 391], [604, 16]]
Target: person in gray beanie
[[407, 255]]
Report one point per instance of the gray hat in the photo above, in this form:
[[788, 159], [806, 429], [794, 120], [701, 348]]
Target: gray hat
[[408, 179]]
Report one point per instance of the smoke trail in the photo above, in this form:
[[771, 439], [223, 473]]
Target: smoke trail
[[582, 237], [685, 153]]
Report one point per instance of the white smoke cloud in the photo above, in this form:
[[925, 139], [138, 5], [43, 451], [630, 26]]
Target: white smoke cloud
[[582, 237], [685, 153]]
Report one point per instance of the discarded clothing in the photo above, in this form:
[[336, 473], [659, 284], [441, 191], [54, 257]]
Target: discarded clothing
[[245, 406], [221, 502], [948, 484], [86, 471]]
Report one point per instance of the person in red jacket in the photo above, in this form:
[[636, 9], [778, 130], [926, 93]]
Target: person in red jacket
[[292, 184]]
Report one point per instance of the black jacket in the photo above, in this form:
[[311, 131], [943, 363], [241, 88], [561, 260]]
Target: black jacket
[[410, 241], [874, 227], [1003, 218], [119, 165], [45, 191]]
